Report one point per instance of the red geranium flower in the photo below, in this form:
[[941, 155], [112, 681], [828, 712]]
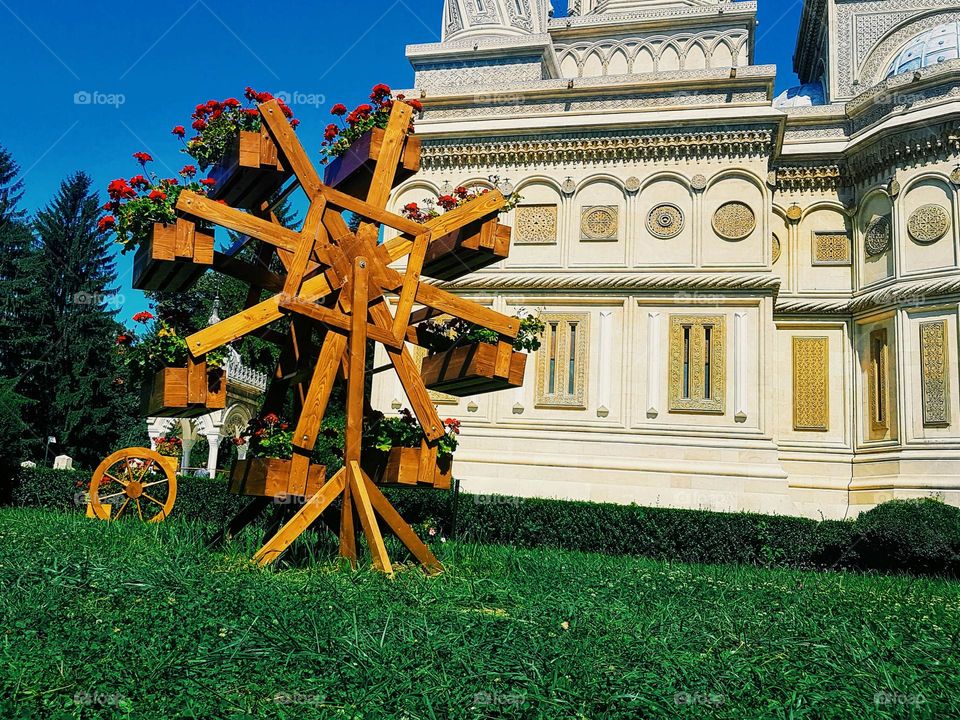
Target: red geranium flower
[[143, 316], [447, 202], [380, 92], [142, 157], [209, 182], [294, 123], [250, 93], [157, 195], [415, 104], [252, 112], [179, 131], [339, 110], [231, 103], [124, 339], [199, 125], [188, 171], [264, 97], [119, 190], [331, 132], [271, 418], [139, 181], [107, 222]]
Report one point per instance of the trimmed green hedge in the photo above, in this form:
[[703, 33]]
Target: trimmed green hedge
[[916, 536]]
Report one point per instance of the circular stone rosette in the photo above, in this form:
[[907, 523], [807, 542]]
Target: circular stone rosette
[[665, 221], [777, 248], [928, 224], [734, 220], [877, 236]]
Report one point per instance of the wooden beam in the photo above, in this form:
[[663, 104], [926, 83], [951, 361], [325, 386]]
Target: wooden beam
[[468, 310], [368, 520], [400, 528], [289, 144], [411, 282], [302, 520], [238, 221], [312, 226], [256, 276], [333, 318]]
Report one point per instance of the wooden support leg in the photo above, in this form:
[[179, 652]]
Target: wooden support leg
[[247, 515], [355, 386], [400, 528], [368, 520], [296, 526]]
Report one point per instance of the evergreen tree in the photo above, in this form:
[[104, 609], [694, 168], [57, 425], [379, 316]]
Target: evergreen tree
[[73, 370], [16, 245]]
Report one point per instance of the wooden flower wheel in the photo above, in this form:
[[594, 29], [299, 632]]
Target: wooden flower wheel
[[329, 301], [135, 482]]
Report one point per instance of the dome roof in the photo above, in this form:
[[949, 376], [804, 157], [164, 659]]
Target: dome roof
[[801, 96], [464, 19], [929, 48]]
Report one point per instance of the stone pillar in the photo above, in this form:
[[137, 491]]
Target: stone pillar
[[214, 442], [187, 449], [242, 451]]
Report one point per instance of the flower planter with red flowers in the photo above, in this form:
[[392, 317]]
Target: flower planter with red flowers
[[233, 144], [173, 256], [473, 247], [353, 149], [401, 467], [250, 173], [270, 477], [189, 391], [474, 369], [352, 172]]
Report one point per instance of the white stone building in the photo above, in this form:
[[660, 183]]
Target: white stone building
[[752, 301]]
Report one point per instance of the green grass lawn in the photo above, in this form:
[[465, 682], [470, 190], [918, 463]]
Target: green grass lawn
[[126, 620]]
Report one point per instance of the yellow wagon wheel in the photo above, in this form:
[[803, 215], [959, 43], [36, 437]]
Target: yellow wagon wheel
[[134, 482]]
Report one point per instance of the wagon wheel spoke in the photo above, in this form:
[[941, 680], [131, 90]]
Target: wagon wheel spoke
[[146, 467], [155, 482], [101, 498], [153, 500], [129, 471], [116, 480], [122, 508], [139, 509]]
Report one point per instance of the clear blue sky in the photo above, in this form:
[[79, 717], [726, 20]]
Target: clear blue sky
[[162, 59]]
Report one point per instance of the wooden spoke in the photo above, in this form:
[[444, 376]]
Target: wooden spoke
[[122, 508]]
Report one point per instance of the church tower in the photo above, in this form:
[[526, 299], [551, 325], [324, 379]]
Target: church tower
[[465, 19]]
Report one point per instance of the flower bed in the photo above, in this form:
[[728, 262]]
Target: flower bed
[[467, 360], [352, 149], [473, 247]]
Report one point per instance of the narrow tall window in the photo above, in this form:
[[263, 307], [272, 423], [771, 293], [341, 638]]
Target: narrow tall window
[[480, 7], [697, 363], [562, 361], [877, 383], [519, 6]]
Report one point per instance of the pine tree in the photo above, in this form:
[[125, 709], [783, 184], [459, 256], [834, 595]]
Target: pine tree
[[16, 245], [74, 369]]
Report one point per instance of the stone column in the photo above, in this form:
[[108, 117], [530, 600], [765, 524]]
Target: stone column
[[214, 442], [187, 449]]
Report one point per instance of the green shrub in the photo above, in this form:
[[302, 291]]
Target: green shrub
[[919, 536]]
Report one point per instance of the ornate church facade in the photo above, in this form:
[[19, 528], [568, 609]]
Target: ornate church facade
[[751, 301]]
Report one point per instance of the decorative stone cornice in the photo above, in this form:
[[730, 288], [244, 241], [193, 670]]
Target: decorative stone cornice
[[654, 15], [916, 293], [605, 282], [809, 178], [596, 148], [904, 148]]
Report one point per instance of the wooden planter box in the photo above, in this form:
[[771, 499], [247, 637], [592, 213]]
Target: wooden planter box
[[270, 477], [173, 257], [474, 369], [352, 172], [185, 392], [250, 173], [473, 247], [401, 467]]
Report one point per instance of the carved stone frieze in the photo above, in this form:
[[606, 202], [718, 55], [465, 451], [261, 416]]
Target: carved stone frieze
[[935, 373], [811, 384], [831, 248]]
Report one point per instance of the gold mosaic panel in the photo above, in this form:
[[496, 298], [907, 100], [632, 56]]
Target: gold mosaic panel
[[934, 371], [811, 383]]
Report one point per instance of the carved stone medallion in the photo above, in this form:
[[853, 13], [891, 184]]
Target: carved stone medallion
[[665, 221], [536, 225], [699, 182], [777, 249], [877, 236], [600, 223], [928, 223], [632, 184], [734, 220]]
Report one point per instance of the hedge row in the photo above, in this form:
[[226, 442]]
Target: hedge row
[[921, 537]]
